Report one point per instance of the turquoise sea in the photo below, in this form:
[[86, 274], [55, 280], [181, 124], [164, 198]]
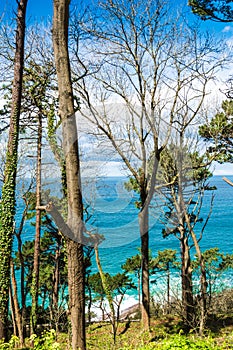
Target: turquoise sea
[[114, 215], [116, 218]]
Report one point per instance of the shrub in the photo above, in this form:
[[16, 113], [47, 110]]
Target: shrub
[[12, 344], [179, 342], [47, 341]]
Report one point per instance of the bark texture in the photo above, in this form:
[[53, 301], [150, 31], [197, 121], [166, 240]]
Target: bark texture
[[18, 317], [145, 307], [7, 209], [186, 281], [70, 143]]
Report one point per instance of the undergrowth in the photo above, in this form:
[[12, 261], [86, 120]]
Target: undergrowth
[[161, 337]]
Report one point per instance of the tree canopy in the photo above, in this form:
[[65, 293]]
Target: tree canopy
[[219, 11], [218, 132]]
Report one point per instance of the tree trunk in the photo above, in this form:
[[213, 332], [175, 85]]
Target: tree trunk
[[12, 308], [55, 295], [36, 263], [203, 283], [203, 279], [76, 295], [76, 273], [108, 294], [89, 305], [186, 283], [18, 234], [144, 234], [168, 287], [18, 317], [139, 289], [7, 209]]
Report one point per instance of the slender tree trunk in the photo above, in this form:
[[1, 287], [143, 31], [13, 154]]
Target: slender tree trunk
[[12, 308], [102, 309], [22, 267], [108, 294], [118, 309], [168, 288], [57, 151], [203, 279], [139, 289], [144, 234], [55, 292], [22, 286], [56, 278], [18, 317], [89, 303], [186, 273], [7, 209], [187, 287], [76, 273], [203, 283], [36, 263]]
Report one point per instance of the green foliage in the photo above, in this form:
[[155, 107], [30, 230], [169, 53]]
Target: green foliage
[[165, 260], [7, 223], [219, 134], [220, 11], [120, 284], [213, 260], [134, 185], [178, 162], [37, 89], [183, 343], [186, 175], [99, 338], [138, 183], [178, 342], [96, 284], [47, 341], [161, 337], [114, 285], [13, 343], [133, 264], [50, 243]]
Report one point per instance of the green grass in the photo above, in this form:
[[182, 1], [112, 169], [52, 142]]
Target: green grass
[[164, 335]]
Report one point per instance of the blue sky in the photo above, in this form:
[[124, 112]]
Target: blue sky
[[37, 9], [40, 10]]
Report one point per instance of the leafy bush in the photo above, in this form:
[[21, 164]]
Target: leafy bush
[[185, 343], [47, 341], [179, 342], [12, 344]]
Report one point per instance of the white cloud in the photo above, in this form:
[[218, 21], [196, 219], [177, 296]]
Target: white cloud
[[227, 29], [223, 169], [100, 168]]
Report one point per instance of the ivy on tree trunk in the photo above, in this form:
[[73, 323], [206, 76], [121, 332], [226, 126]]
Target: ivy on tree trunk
[[7, 208]]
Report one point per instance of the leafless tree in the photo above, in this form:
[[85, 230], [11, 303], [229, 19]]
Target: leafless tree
[[137, 67]]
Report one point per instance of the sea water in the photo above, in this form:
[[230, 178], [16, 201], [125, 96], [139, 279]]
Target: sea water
[[114, 215]]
